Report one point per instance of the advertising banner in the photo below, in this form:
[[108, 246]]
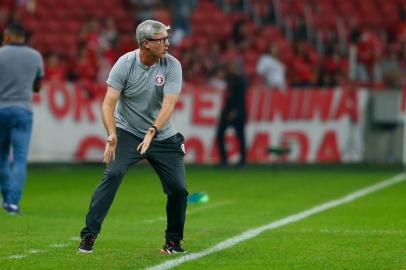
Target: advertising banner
[[314, 125]]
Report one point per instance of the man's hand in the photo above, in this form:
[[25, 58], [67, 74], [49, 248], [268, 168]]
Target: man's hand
[[143, 147], [110, 152]]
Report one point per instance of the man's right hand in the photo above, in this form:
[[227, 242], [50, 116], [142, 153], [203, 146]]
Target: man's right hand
[[110, 152]]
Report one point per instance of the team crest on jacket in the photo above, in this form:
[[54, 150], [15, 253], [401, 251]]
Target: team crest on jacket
[[159, 80]]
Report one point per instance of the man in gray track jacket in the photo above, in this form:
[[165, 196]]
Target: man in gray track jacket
[[143, 87]]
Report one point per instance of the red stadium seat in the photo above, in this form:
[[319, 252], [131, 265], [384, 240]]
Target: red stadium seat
[[198, 18], [164, 16], [71, 26], [270, 33], [125, 25], [207, 6], [30, 23], [261, 44], [237, 16]]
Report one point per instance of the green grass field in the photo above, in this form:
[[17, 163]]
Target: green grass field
[[367, 233]]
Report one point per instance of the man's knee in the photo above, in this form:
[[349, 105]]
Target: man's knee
[[180, 194], [114, 173], [177, 190]]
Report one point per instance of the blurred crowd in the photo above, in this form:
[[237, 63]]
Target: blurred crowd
[[206, 35]]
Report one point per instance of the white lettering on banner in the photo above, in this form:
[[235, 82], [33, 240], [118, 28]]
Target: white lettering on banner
[[317, 125]]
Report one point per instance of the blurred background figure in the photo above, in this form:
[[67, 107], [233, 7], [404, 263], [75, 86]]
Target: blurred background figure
[[303, 68], [333, 69], [54, 68], [22, 69], [233, 113], [145, 9], [180, 12], [389, 69], [271, 69]]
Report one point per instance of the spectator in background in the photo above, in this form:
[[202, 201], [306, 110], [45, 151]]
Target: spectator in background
[[21, 71], [84, 67], [369, 48], [180, 11], [302, 70], [399, 29], [197, 71], [242, 35], [332, 69], [89, 36], [271, 69], [389, 69], [237, 32], [263, 11], [108, 35], [299, 29], [54, 68], [233, 113], [108, 45], [213, 56], [145, 9]]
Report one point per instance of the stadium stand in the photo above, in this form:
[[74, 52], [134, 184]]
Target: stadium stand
[[313, 37]]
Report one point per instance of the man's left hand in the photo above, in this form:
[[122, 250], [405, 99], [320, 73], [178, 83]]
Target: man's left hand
[[144, 145]]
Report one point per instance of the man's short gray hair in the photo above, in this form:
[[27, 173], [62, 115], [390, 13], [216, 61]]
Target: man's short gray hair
[[147, 29]]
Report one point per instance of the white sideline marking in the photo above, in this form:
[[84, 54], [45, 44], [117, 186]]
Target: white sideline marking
[[192, 211], [279, 223], [20, 256], [75, 238], [59, 245], [35, 251]]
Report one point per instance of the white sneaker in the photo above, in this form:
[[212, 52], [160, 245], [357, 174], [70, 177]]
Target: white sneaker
[[12, 209]]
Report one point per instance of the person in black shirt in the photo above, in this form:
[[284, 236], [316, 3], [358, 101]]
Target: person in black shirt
[[233, 113]]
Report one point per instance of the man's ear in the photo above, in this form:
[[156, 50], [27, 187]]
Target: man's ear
[[145, 44]]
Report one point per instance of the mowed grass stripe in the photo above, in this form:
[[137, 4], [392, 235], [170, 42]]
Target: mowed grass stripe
[[279, 223]]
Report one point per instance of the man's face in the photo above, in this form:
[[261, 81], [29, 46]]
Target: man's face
[[159, 45]]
